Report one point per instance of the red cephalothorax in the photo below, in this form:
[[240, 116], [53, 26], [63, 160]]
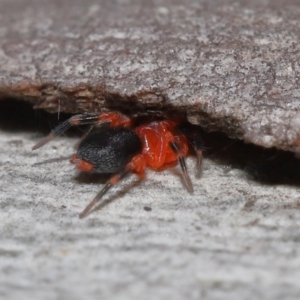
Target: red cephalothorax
[[116, 146], [157, 138]]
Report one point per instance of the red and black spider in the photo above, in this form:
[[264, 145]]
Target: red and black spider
[[117, 146]]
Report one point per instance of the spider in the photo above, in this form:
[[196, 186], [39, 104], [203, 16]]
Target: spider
[[118, 146]]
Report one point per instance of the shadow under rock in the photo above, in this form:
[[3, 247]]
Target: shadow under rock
[[19, 116], [268, 166]]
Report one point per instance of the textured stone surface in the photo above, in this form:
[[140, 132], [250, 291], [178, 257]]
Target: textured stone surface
[[236, 237], [232, 65]]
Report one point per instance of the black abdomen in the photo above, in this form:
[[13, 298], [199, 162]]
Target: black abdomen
[[110, 149]]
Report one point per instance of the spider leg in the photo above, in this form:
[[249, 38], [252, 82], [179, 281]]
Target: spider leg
[[82, 119], [114, 119], [192, 134], [197, 144], [112, 181], [136, 165], [84, 136], [176, 148]]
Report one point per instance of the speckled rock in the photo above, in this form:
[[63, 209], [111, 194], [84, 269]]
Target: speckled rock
[[233, 66]]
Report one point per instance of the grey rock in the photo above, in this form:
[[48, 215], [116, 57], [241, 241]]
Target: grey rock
[[233, 66]]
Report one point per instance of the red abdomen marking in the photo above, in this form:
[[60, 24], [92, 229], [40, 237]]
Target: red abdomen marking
[[81, 164]]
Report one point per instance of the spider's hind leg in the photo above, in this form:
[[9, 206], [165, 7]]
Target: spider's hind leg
[[112, 181], [136, 165]]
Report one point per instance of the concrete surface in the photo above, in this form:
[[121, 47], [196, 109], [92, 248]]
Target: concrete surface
[[234, 238], [233, 66]]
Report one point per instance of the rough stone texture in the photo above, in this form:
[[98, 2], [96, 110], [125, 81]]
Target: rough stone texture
[[232, 65], [234, 238]]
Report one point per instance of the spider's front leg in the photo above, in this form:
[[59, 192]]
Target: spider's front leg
[[114, 119], [176, 147], [112, 181], [192, 134]]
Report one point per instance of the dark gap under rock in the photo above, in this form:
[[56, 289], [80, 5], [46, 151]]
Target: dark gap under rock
[[268, 166]]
